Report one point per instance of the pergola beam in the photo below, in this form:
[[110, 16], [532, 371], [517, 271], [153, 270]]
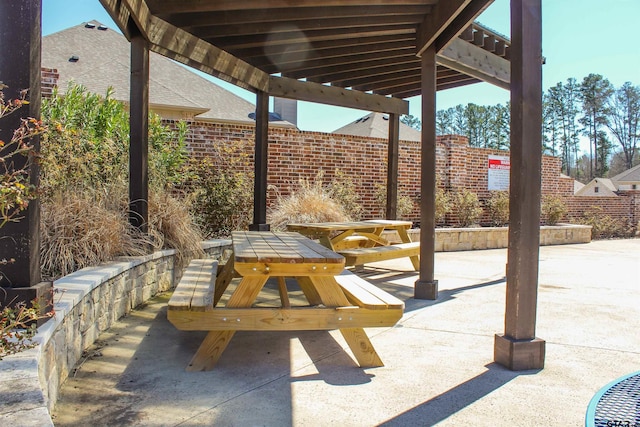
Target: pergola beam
[[477, 62], [284, 87], [435, 22]]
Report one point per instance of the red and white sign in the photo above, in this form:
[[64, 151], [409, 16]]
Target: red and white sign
[[498, 173]]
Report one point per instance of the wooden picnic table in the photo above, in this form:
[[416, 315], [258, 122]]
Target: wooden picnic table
[[362, 241], [337, 298]]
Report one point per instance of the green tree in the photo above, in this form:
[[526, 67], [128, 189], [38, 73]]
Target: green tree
[[563, 101], [624, 120], [595, 92], [499, 126], [411, 121]]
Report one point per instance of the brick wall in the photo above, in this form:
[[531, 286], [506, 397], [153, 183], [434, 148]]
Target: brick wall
[[49, 81], [296, 154]]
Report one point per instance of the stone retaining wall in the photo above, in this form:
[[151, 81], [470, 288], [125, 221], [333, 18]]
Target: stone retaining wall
[[87, 303], [466, 239]]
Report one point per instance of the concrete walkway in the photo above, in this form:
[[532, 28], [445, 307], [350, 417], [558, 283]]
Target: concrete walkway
[[438, 360]]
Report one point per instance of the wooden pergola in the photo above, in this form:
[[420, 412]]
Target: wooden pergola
[[368, 55]]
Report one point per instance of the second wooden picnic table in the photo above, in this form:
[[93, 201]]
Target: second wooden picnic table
[[362, 240]]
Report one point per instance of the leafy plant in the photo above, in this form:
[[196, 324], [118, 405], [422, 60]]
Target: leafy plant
[[404, 203], [17, 320], [553, 209], [466, 207], [18, 326], [604, 226], [343, 190], [498, 207], [443, 205], [220, 189], [15, 187]]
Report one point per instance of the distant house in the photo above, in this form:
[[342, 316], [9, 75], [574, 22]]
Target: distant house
[[98, 57], [376, 125], [627, 181]]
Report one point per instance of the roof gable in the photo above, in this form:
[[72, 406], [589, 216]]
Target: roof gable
[[376, 125]]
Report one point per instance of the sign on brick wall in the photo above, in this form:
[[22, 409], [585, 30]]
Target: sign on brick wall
[[498, 173]]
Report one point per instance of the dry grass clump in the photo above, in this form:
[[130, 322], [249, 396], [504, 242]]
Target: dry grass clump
[[170, 218], [78, 231], [310, 203]]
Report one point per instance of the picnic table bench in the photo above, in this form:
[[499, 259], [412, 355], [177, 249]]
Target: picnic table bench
[[338, 299], [361, 242]]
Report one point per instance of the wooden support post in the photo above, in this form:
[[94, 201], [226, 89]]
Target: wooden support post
[[427, 287], [20, 46], [260, 167], [392, 166], [139, 133], [518, 348]]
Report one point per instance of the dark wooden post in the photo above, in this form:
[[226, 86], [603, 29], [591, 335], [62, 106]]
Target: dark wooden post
[[392, 166], [20, 41], [427, 287], [139, 133], [260, 166], [518, 348]]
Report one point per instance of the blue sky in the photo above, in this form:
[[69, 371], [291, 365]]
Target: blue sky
[[579, 37]]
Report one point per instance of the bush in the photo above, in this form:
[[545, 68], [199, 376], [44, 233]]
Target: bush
[[467, 207], [343, 191], [443, 205], [221, 190], [311, 202], [553, 209], [604, 226], [498, 208], [87, 144], [405, 204], [84, 185]]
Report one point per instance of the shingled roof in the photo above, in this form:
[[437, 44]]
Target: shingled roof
[[99, 57], [376, 125]]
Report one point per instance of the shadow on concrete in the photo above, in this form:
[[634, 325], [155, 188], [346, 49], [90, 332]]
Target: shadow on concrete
[[385, 278], [448, 403]]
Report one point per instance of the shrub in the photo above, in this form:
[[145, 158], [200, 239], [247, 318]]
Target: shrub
[[467, 207], [553, 209], [343, 190], [18, 326], [81, 229], [604, 226], [84, 184], [443, 205], [87, 145], [405, 204], [221, 190], [311, 202], [498, 208]]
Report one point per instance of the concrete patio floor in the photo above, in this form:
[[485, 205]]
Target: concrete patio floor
[[438, 359]]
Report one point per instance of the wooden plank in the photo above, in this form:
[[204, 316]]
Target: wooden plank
[[435, 22], [360, 256], [307, 91], [205, 284], [361, 347], [348, 279], [476, 62], [282, 319], [227, 273]]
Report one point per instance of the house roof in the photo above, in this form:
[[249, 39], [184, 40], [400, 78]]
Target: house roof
[[630, 175], [376, 125], [607, 186], [99, 57]]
